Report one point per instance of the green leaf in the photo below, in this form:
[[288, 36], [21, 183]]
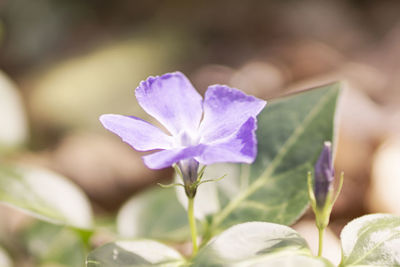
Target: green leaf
[[155, 213], [14, 130], [247, 244], [372, 240], [45, 195], [134, 253], [290, 134], [54, 244], [5, 260]]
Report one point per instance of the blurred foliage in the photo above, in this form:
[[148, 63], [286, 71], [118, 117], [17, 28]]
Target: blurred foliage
[[53, 244], [77, 91], [37, 192]]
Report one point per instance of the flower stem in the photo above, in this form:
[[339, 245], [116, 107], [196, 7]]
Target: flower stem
[[192, 224], [320, 240]]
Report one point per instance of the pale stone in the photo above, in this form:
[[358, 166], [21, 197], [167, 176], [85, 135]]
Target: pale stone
[[5, 260], [370, 79], [211, 74], [385, 181], [13, 123], [259, 78]]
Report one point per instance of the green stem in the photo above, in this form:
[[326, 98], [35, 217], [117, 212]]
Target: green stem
[[320, 240], [192, 224]]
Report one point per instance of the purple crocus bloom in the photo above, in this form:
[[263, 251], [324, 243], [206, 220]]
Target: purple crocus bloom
[[220, 128], [324, 175]]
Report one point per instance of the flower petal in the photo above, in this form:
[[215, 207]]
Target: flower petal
[[166, 158], [172, 100], [138, 133], [239, 147], [225, 111]]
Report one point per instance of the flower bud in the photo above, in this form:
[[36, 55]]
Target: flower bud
[[189, 169], [324, 175]]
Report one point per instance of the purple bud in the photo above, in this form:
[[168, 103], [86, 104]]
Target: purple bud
[[189, 169], [324, 175]]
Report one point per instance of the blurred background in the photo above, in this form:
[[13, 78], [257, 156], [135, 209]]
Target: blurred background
[[65, 62]]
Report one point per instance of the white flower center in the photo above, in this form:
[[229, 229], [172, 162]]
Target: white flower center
[[185, 139]]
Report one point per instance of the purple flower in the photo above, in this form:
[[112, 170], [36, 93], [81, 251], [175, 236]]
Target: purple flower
[[219, 129], [324, 175]]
